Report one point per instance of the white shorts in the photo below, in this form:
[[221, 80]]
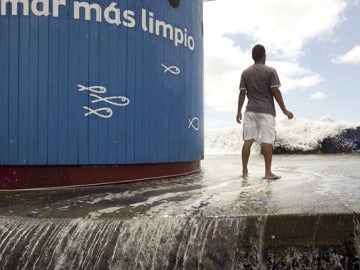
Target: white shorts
[[259, 127]]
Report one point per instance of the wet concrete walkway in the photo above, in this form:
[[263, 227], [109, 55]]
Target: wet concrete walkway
[[310, 184], [309, 219]]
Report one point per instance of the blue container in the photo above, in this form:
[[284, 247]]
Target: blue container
[[101, 82]]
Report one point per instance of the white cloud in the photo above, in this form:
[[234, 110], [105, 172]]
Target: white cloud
[[318, 95], [293, 76], [283, 26], [351, 57], [223, 63]]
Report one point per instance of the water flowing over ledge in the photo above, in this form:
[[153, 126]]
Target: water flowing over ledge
[[253, 242], [309, 219]]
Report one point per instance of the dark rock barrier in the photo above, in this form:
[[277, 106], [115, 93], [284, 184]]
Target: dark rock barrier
[[348, 141]]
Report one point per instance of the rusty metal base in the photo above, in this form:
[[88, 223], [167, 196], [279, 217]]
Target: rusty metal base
[[31, 177]]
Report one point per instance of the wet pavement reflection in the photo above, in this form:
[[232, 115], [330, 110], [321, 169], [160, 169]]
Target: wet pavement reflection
[[309, 184]]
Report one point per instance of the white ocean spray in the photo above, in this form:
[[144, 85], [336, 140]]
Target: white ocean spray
[[298, 133]]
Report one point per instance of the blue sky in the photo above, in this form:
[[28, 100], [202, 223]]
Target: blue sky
[[314, 45]]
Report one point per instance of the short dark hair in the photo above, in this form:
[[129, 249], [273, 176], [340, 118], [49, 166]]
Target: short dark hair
[[258, 52]]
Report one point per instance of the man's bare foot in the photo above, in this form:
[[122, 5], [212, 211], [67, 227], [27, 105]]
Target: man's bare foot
[[245, 175], [272, 177]]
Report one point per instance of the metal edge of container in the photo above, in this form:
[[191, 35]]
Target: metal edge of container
[[20, 178]]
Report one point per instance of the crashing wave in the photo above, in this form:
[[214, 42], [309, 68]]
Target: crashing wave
[[293, 136]]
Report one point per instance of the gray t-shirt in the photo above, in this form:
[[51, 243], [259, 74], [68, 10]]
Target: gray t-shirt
[[258, 80]]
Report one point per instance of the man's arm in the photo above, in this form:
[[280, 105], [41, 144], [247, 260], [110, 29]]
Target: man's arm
[[278, 97], [242, 96]]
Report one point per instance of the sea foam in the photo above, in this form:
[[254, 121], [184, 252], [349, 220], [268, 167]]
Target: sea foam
[[298, 134]]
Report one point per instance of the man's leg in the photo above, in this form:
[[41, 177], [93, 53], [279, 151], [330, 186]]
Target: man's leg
[[267, 150], [246, 149], [267, 131]]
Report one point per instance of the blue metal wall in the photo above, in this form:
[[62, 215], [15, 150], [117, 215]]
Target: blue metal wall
[[101, 89]]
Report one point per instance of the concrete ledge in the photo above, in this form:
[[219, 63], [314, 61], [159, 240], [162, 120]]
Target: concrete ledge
[[323, 241], [309, 219], [309, 230]]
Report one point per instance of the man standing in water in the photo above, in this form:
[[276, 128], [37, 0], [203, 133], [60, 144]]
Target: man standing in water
[[260, 83]]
